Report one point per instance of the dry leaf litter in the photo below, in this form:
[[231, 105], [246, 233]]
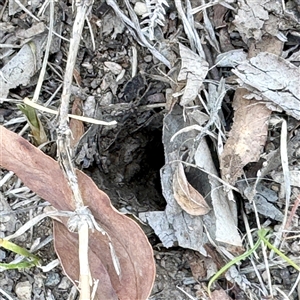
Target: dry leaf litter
[[206, 96]]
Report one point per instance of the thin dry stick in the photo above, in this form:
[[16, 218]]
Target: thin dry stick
[[46, 55], [64, 150], [292, 214], [287, 183], [189, 29], [264, 248], [248, 232]]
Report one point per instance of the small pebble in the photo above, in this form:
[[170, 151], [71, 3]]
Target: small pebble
[[106, 99], [52, 279], [95, 83], [87, 65], [295, 247], [89, 106], [156, 98], [115, 68], [189, 280], [140, 8], [23, 290], [65, 283], [2, 255], [148, 58]]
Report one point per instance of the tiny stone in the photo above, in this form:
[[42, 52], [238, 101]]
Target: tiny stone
[[89, 106], [23, 290], [277, 228], [173, 15], [65, 283], [172, 274], [2, 255], [95, 83], [156, 98], [106, 99], [252, 275], [265, 276], [189, 280], [104, 84], [295, 247], [39, 281], [115, 68], [52, 279], [155, 60], [275, 188], [148, 58], [140, 8], [87, 65]]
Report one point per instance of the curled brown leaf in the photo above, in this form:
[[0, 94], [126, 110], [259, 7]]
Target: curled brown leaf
[[186, 196]]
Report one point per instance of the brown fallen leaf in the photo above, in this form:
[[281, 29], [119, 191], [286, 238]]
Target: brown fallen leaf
[[186, 196], [247, 136], [250, 128], [42, 175], [76, 126]]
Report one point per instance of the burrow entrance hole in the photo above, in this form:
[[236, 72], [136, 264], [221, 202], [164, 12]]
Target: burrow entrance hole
[[129, 170]]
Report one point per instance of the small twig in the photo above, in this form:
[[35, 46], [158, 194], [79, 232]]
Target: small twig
[[134, 61], [258, 275], [27, 11], [85, 276], [80, 222], [189, 29], [295, 286], [5, 294], [52, 111], [263, 250], [287, 182], [46, 55], [3, 9], [248, 231], [292, 214]]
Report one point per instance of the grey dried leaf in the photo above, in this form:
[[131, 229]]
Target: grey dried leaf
[[274, 78], [250, 19], [225, 211], [193, 69], [20, 69]]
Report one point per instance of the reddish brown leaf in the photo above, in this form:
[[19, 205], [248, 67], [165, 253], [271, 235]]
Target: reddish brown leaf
[[43, 175]]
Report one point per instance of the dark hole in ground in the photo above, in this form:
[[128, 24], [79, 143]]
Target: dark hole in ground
[[129, 168]]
